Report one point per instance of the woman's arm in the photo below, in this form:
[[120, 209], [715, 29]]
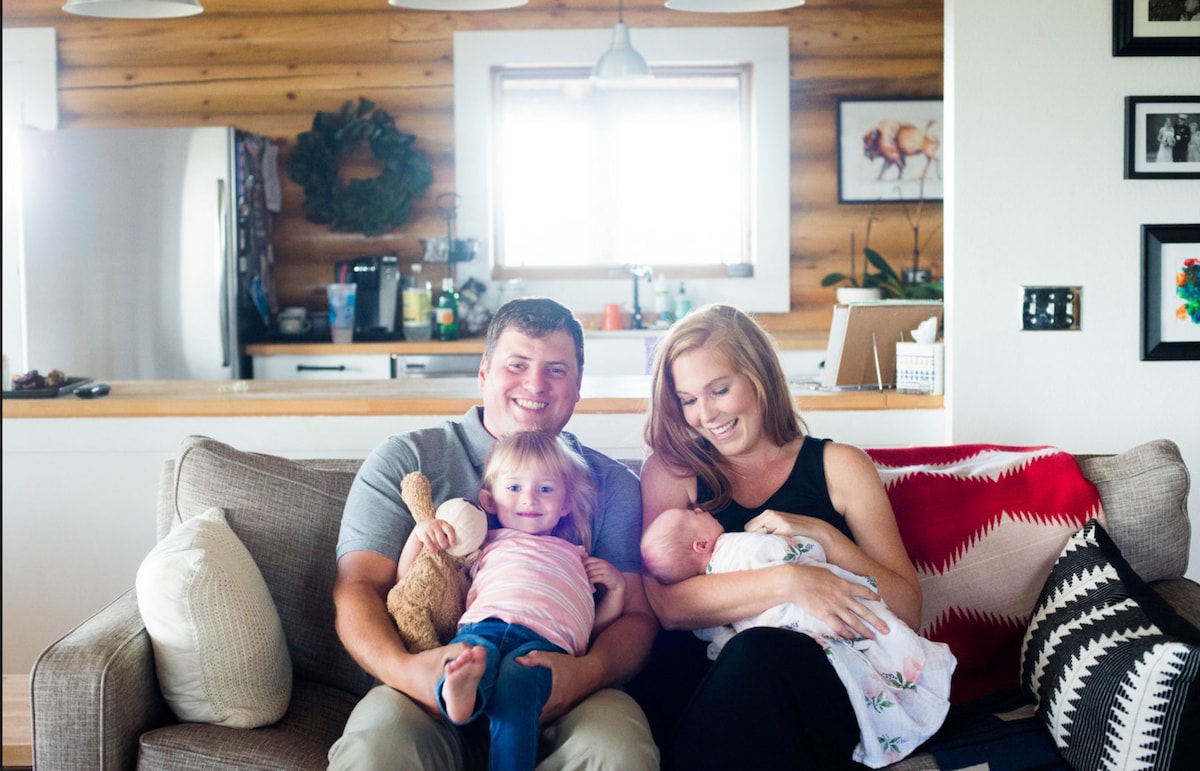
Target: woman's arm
[[714, 600], [877, 551]]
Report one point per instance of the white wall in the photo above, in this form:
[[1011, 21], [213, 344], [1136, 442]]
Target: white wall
[[1036, 195]]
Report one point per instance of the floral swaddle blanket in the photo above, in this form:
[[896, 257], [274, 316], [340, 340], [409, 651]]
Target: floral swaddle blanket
[[898, 683]]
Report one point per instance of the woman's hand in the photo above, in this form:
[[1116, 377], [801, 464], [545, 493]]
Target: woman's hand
[[841, 604], [795, 525]]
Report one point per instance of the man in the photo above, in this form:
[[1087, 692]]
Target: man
[[1182, 134], [529, 377]]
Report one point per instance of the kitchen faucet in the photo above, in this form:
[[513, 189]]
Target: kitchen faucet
[[638, 272]]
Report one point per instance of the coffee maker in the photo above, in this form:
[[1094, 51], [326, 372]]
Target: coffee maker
[[377, 311]]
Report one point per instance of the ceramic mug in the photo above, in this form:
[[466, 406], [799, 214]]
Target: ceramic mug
[[294, 321], [612, 317]]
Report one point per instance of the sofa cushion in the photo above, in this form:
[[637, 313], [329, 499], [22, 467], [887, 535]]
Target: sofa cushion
[[218, 646], [287, 514], [983, 524], [1112, 667], [298, 742], [1145, 492]]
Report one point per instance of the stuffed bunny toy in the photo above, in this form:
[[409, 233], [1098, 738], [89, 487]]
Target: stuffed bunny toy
[[429, 600]]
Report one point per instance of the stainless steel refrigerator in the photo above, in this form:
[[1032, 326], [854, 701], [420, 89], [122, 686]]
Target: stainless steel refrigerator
[[144, 253]]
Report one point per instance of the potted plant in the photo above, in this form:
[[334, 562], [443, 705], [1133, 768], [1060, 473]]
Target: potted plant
[[857, 289], [886, 282]]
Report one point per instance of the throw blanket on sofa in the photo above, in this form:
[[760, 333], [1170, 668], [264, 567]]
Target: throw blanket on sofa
[[983, 525]]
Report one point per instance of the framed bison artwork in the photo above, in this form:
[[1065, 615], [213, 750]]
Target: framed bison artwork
[[889, 150]]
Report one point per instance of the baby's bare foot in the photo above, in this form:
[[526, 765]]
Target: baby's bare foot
[[463, 674]]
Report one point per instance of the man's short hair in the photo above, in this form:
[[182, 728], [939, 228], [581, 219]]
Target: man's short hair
[[535, 317]]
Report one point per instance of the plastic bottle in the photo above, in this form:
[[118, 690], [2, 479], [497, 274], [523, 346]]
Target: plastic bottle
[[682, 303], [662, 300], [446, 311], [417, 307]]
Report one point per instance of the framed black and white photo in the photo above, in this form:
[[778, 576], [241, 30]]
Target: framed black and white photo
[[1170, 292], [1162, 137], [889, 150], [1156, 27]]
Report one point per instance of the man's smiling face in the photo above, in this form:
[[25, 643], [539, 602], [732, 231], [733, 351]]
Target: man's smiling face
[[529, 382]]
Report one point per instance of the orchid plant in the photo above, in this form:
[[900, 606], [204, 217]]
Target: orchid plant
[[885, 277]]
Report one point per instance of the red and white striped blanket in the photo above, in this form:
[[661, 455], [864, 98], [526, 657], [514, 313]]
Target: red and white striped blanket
[[983, 525]]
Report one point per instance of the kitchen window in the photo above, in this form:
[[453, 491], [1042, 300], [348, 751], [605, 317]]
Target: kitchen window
[[655, 175], [566, 184]]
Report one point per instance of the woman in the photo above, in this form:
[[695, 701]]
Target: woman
[[1166, 141], [724, 435]]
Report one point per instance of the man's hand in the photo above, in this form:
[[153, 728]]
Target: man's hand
[[423, 670], [573, 679]]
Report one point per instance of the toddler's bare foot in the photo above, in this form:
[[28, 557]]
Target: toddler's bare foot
[[462, 683]]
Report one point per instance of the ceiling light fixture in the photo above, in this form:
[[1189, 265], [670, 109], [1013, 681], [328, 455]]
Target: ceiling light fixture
[[620, 62], [134, 9], [456, 5], [732, 6]]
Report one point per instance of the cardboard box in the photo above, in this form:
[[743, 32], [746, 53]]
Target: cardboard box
[[920, 368]]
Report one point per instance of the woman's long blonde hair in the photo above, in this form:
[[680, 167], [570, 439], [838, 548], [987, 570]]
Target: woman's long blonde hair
[[549, 451], [749, 350]]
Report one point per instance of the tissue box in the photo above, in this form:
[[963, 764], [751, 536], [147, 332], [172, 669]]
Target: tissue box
[[920, 368]]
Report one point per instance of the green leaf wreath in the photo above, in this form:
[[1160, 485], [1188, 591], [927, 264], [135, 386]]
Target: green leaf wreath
[[374, 206]]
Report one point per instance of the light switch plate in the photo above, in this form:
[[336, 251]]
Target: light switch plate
[[1050, 307]]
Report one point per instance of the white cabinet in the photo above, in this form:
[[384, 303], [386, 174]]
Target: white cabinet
[[325, 366]]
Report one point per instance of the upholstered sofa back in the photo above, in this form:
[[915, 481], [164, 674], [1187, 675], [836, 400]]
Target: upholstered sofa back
[[287, 513]]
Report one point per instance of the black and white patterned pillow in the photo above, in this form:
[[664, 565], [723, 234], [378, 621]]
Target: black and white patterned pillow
[[1112, 667]]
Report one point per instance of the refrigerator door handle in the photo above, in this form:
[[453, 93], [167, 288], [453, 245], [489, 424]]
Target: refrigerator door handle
[[223, 260]]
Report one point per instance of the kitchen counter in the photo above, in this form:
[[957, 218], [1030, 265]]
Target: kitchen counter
[[413, 396], [787, 341]]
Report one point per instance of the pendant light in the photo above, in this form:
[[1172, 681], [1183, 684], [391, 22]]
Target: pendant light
[[620, 62], [456, 5], [732, 6], [134, 9]]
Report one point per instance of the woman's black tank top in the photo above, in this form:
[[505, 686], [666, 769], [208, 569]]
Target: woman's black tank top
[[805, 492]]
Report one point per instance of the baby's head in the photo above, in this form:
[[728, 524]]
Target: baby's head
[[679, 543]]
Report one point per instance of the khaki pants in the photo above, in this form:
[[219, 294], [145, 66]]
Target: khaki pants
[[387, 730]]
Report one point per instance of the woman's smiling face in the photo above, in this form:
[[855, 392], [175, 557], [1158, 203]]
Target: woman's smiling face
[[717, 402]]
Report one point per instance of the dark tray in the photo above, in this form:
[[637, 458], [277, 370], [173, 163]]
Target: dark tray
[[49, 393]]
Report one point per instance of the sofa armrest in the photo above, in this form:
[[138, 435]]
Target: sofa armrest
[[95, 691], [1182, 594]]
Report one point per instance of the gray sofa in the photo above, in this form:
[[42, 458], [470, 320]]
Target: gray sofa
[[95, 698]]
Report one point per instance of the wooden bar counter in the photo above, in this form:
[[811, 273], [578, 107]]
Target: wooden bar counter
[[412, 396]]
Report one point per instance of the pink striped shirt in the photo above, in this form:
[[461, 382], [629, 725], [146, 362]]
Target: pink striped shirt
[[537, 581]]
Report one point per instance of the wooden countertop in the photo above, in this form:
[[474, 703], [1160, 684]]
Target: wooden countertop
[[414, 396], [787, 341]]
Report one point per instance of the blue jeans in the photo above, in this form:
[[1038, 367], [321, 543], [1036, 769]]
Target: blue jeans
[[511, 695]]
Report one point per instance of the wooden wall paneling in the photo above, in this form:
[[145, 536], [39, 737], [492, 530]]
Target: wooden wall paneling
[[267, 67]]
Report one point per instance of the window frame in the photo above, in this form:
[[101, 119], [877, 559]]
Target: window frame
[[768, 289]]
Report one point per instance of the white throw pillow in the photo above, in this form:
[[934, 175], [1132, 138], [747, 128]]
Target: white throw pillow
[[218, 644]]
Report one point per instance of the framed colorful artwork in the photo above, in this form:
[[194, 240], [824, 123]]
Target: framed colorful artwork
[[889, 150], [1162, 137], [1170, 292], [1156, 27]]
